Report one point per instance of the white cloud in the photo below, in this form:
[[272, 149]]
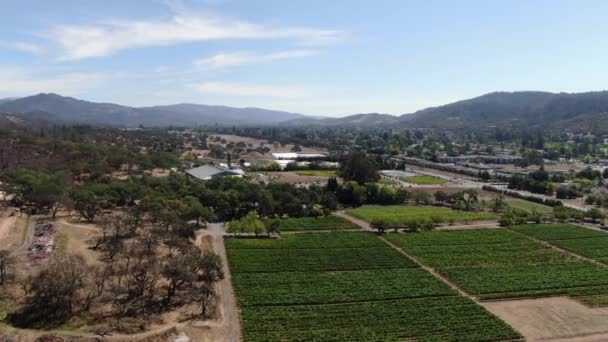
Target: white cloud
[[106, 38], [262, 90], [233, 59], [18, 81], [21, 46]]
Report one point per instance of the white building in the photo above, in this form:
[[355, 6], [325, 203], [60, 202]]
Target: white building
[[293, 155]]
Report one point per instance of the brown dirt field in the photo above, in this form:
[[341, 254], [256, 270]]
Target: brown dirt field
[[294, 178], [79, 238], [476, 225], [555, 318], [7, 223], [439, 172], [256, 142], [11, 232]]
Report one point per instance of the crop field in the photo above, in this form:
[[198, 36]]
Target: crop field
[[333, 286], [318, 173], [315, 223], [529, 206], [424, 180], [425, 319], [498, 263], [586, 242], [403, 214]]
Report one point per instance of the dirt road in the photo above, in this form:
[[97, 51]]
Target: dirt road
[[363, 224], [29, 237], [6, 224], [229, 323]]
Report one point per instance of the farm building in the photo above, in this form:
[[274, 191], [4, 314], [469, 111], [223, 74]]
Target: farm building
[[206, 172], [293, 155]]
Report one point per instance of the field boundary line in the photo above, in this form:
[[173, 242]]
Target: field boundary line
[[560, 249], [413, 259], [287, 232], [431, 270]]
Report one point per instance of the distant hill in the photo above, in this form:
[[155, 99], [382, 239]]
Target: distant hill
[[517, 109], [71, 110], [8, 99], [529, 109]]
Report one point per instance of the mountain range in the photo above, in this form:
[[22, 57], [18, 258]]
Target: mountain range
[[69, 110], [525, 109]]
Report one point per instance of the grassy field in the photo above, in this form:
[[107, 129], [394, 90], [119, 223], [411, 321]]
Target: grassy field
[[387, 181], [528, 206], [498, 263], [318, 173], [402, 214], [424, 180], [338, 286], [314, 223]]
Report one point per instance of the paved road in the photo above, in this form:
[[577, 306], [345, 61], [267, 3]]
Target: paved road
[[526, 193], [472, 184]]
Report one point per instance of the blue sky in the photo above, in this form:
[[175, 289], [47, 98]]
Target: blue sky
[[330, 58]]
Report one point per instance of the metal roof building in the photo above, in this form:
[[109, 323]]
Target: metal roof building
[[206, 172]]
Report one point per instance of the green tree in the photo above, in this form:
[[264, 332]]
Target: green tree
[[194, 210], [595, 214], [86, 203], [359, 168], [380, 225]]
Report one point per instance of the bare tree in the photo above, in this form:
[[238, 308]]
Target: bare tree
[[55, 292], [134, 281], [181, 271], [210, 272]]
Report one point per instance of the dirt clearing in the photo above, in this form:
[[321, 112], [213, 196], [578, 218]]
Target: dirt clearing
[[7, 223], [555, 318], [294, 178], [78, 239], [274, 148]]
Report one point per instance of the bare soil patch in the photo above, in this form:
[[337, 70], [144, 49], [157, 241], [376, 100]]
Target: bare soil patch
[[12, 232], [477, 225], [554, 318], [7, 223], [294, 178], [274, 148], [79, 237]]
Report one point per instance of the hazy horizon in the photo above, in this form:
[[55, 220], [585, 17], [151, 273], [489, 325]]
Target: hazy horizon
[[392, 57]]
